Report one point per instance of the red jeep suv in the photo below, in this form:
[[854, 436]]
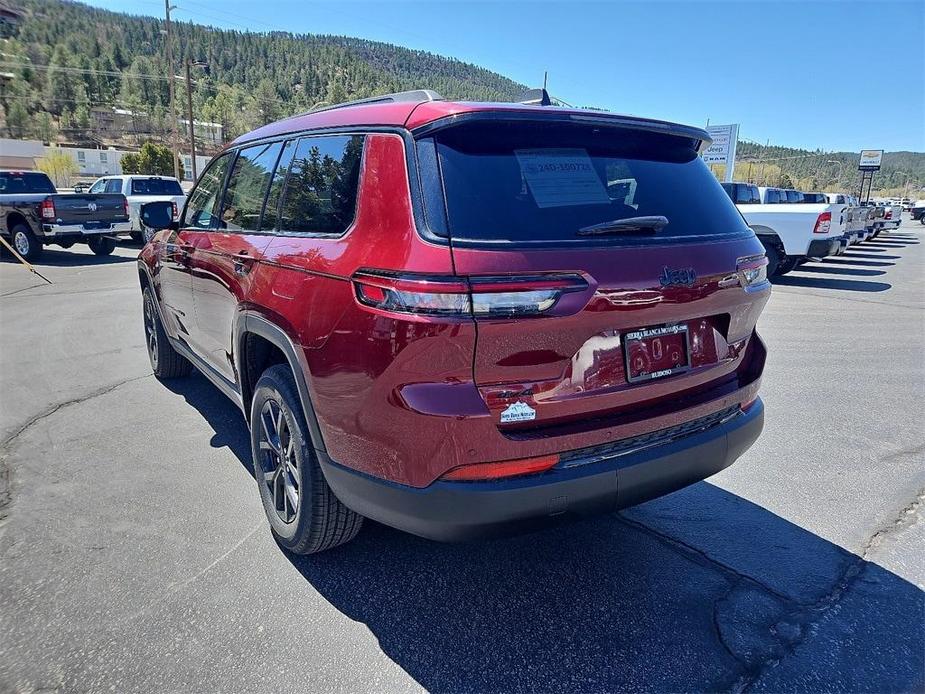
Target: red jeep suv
[[460, 319]]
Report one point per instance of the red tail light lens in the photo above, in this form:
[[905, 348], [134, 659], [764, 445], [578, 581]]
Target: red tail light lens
[[487, 297], [48, 208], [176, 210], [506, 468], [823, 223], [888, 214], [125, 205]]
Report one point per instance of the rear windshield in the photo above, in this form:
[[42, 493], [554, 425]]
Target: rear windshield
[[794, 196], [517, 182], [24, 182], [771, 196], [155, 186]]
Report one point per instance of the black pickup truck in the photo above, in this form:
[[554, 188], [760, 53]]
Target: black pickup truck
[[33, 214]]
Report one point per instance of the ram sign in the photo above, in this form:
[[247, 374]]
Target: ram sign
[[870, 160], [723, 149]]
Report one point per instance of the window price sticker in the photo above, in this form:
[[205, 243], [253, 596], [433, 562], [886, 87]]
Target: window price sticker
[[561, 177]]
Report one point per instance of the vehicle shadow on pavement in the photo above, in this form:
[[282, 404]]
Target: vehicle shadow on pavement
[[853, 254], [622, 602], [848, 260], [830, 283], [628, 602], [857, 272], [67, 258]]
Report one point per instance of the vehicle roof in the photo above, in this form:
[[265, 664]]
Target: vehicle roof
[[412, 115]]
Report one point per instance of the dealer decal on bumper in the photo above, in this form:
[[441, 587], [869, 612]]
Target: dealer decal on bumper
[[518, 412]]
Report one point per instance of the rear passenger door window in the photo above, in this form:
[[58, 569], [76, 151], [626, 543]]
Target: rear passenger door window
[[321, 188], [114, 185], [247, 187], [203, 202]]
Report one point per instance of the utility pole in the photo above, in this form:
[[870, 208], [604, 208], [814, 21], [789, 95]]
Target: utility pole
[[173, 112], [189, 117], [189, 111]]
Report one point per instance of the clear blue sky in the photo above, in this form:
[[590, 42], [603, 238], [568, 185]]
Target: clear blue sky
[[833, 75]]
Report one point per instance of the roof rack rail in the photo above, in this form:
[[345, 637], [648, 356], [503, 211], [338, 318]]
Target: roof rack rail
[[418, 95]]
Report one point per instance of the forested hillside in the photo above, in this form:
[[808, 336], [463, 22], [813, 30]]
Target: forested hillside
[[66, 58], [831, 171]]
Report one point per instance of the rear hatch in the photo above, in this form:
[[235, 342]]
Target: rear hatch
[[88, 209], [606, 263]]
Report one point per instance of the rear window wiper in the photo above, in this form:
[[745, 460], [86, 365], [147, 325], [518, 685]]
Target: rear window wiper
[[652, 224]]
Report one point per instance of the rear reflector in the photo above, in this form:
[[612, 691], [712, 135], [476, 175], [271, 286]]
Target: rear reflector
[[823, 223], [463, 297], [506, 468]]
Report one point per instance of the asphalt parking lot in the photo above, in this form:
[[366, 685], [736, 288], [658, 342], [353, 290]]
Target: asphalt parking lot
[[134, 554]]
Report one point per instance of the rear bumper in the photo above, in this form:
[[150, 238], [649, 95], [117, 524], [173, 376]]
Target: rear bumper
[[820, 248], [112, 229], [454, 511]]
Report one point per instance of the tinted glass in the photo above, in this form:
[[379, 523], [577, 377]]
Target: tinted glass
[[247, 187], [201, 207], [321, 190], [24, 182], [794, 196], [771, 196], [114, 185], [746, 195], [271, 209], [543, 182], [98, 187], [155, 186]]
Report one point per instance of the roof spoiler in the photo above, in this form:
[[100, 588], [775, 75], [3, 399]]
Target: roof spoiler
[[414, 95]]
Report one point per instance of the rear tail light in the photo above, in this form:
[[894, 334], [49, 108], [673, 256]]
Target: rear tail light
[[48, 208], [125, 205], [888, 214], [749, 404], [485, 297], [823, 223], [176, 210], [506, 468], [752, 271]]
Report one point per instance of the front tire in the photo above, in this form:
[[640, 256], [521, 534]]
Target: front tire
[[26, 243], [166, 362], [101, 245], [303, 512]]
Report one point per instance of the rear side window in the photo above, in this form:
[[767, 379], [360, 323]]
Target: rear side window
[[24, 182], [271, 208], [247, 187], [114, 185], [543, 182], [772, 197], [155, 186], [321, 189], [747, 195], [794, 196], [201, 212]]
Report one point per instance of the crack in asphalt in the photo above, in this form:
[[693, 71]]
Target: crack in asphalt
[[6, 475], [794, 627]]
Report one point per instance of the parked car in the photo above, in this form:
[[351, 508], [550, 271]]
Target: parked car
[[791, 233], [858, 224], [918, 211], [139, 189], [461, 319], [33, 215]]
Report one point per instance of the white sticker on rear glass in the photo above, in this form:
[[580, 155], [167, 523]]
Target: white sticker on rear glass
[[561, 177]]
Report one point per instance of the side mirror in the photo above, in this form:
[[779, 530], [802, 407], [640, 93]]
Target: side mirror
[[157, 215]]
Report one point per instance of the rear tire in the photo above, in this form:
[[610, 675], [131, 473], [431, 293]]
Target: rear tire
[[166, 362], [26, 243], [303, 512], [774, 257], [787, 264], [137, 237], [101, 245]]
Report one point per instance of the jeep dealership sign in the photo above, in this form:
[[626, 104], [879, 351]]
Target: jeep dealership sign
[[723, 149]]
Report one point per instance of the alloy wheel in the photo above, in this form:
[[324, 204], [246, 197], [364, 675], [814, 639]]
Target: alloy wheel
[[21, 241], [151, 331], [280, 467]]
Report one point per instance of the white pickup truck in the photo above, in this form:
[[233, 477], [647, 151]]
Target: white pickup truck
[[139, 189], [790, 232]]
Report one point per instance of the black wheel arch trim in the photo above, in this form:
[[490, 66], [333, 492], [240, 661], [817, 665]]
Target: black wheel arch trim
[[256, 324]]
